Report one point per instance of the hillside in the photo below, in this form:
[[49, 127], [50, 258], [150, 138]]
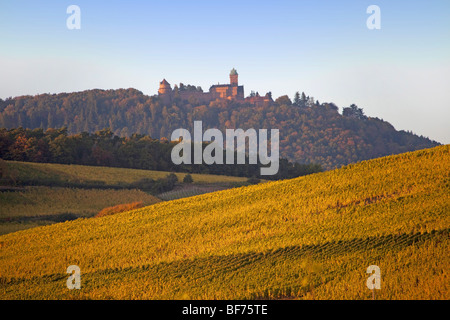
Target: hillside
[[29, 207], [30, 173], [309, 132], [311, 237], [103, 148], [46, 193]]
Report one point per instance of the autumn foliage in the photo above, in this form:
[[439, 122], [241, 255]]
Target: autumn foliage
[[310, 132], [119, 208], [311, 237]]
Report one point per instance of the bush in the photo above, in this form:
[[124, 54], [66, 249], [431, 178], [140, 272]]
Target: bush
[[146, 184], [119, 208], [188, 179], [156, 186], [172, 178], [253, 180]]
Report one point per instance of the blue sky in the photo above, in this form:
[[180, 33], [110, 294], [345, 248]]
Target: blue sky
[[399, 73]]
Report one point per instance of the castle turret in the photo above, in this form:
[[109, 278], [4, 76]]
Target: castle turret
[[164, 87], [233, 77]]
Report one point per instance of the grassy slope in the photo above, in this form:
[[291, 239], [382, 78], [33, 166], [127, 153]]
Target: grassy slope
[[310, 237], [47, 204], [37, 206], [110, 176]]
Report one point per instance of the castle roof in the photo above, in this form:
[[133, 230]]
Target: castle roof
[[220, 85], [223, 85], [233, 72], [164, 82]]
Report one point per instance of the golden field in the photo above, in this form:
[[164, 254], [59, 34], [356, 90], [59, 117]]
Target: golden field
[[307, 238], [45, 193], [36, 206]]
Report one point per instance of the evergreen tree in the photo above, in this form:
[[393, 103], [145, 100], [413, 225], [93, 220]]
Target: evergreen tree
[[297, 98]]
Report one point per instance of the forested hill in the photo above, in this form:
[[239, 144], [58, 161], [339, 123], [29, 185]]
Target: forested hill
[[309, 132]]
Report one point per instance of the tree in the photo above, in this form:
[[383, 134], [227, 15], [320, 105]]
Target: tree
[[283, 100], [303, 98], [297, 98], [188, 179], [172, 179], [354, 112]]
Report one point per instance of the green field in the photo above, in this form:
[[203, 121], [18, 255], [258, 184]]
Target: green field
[[56, 192], [36, 206], [307, 238], [51, 173]]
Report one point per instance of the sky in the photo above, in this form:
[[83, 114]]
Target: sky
[[399, 73]]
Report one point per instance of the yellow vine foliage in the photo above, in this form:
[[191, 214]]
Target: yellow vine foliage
[[119, 208], [307, 238]]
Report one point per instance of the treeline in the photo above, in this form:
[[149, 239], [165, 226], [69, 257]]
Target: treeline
[[138, 151], [310, 132]]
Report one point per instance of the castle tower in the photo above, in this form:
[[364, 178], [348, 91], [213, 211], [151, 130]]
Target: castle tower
[[164, 88], [233, 77]]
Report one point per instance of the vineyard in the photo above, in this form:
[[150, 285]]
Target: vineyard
[[44, 193], [195, 190], [36, 206], [311, 237]]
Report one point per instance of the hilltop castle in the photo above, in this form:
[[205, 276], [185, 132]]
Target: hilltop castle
[[231, 91]]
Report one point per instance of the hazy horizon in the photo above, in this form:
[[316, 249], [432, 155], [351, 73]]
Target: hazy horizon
[[398, 73]]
